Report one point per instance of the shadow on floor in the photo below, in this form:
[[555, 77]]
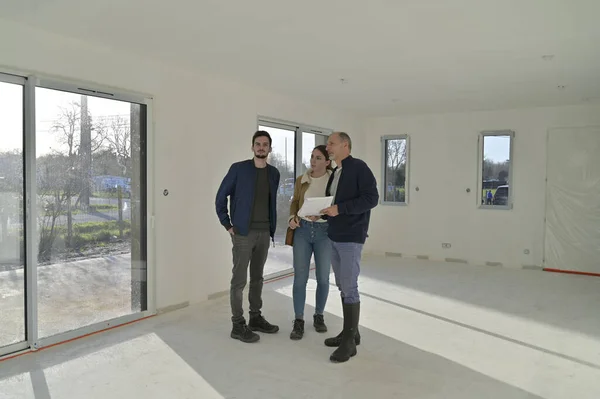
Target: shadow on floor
[[276, 367]]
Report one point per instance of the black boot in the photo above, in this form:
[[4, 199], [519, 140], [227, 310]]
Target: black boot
[[298, 330], [319, 323], [259, 323], [347, 347], [242, 332], [337, 340]]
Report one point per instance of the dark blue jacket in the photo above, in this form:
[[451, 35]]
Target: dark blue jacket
[[355, 196], [239, 185]]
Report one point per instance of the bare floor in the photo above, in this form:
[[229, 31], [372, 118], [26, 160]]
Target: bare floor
[[430, 330]]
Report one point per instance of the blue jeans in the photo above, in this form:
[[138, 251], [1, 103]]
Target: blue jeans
[[311, 238], [345, 261]]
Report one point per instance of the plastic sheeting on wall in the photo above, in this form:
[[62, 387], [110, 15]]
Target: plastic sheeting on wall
[[572, 240]]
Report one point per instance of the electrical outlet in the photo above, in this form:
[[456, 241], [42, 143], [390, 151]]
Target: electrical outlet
[[446, 245]]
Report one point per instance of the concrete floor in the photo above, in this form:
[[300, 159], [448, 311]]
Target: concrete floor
[[430, 330]]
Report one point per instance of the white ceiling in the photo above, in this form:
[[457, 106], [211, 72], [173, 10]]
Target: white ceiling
[[398, 56]]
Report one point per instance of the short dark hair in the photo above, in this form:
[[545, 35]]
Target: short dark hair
[[346, 138], [262, 133], [323, 150]]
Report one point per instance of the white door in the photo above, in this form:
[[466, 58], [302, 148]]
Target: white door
[[572, 236]]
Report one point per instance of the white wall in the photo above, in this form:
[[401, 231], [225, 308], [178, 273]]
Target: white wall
[[202, 125], [443, 164]]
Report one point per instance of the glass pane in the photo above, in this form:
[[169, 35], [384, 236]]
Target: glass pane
[[496, 168], [12, 249], [309, 142], [282, 157], [91, 210], [395, 170]]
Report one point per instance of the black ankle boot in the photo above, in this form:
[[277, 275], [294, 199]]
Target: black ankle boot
[[298, 330], [319, 323], [337, 340], [347, 347], [242, 332]]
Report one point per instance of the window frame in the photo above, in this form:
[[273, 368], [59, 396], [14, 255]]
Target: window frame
[[31, 82], [480, 155], [298, 129], [384, 140]]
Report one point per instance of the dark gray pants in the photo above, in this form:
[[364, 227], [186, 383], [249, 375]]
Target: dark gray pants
[[251, 249]]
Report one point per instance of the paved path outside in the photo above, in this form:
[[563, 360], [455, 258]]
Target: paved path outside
[[71, 295]]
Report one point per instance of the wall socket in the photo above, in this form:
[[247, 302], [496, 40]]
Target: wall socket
[[446, 245]]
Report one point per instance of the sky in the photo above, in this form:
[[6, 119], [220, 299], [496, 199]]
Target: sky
[[496, 148], [48, 103]]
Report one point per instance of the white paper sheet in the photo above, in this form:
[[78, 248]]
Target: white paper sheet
[[314, 206]]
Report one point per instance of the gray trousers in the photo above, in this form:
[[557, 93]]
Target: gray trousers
[[251, 249], [345, 262]]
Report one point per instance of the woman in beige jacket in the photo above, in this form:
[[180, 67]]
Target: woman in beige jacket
[[310, 237]]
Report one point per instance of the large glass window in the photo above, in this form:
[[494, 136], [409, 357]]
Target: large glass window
[[283, 158], [12, 229], [292, 148], [91, 210], [309, 142], [73, 211]]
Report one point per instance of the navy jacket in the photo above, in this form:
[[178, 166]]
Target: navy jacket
[[239, 185], [355, 196]]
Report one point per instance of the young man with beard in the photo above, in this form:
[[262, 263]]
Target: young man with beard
[[354, 189], [251, 187]]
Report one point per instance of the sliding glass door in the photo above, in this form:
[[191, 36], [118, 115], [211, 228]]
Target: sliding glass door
[[73, 211], [90, 167], [291, 150], [283, 158], [12, 228]]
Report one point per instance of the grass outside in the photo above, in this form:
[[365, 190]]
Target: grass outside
[[91, 234]]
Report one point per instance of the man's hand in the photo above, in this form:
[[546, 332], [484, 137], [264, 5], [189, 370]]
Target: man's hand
[[331, 211], [294, 223], [231, 231]]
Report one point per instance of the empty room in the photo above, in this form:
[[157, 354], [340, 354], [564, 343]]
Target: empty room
[[386, 199]]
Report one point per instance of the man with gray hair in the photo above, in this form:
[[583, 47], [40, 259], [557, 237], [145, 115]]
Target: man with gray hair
[[354, 189]]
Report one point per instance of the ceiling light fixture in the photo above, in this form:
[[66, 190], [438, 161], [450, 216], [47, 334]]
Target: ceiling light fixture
[[561, 87]]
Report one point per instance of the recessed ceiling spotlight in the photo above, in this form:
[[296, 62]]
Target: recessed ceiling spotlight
[[548, 57], [561, 87]]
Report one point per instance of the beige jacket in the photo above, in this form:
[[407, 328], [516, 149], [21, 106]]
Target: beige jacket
[[300, 188]]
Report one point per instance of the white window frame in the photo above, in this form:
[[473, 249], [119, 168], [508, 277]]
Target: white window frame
[[298, 129], [31, 82], [480, 156], [384, 140]]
